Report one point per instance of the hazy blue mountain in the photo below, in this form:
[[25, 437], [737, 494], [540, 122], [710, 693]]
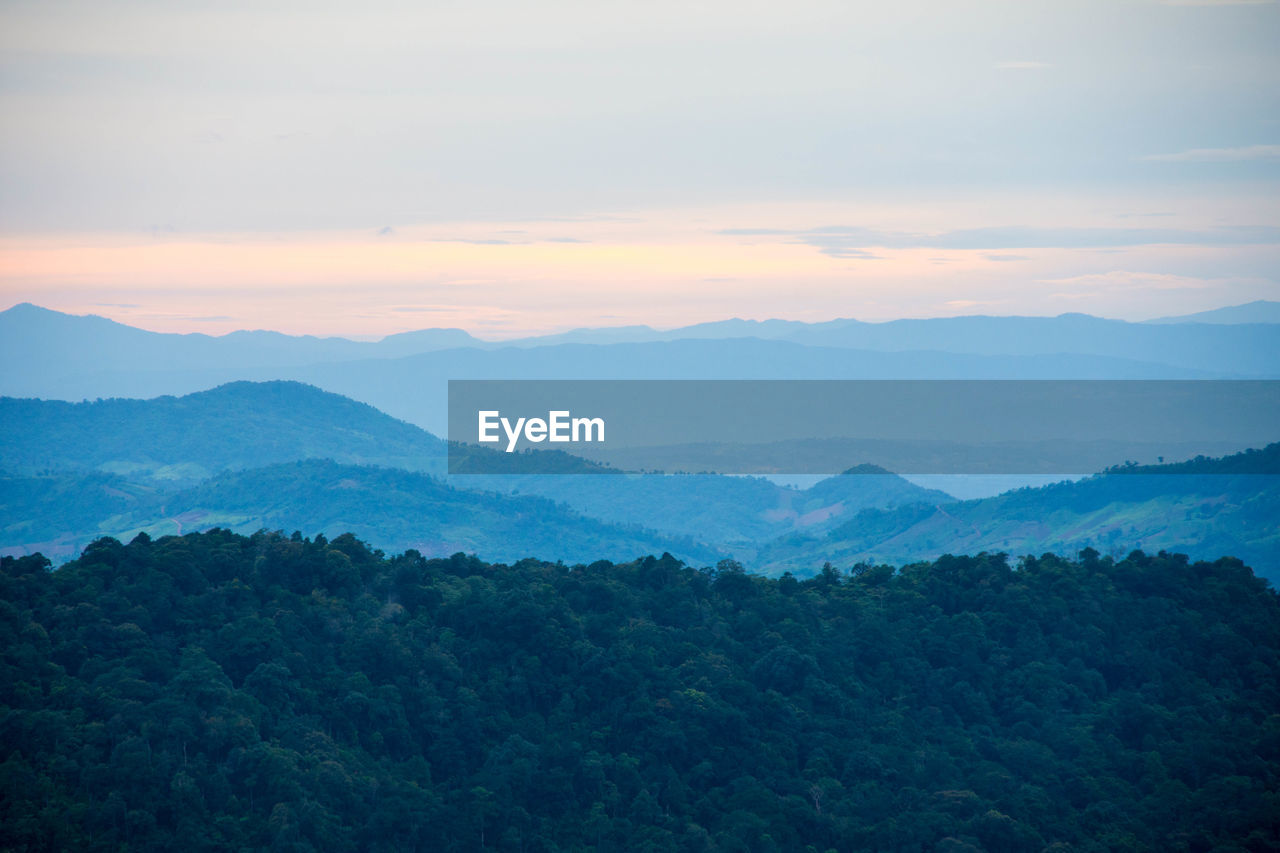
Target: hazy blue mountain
[[414, 388], [58, 514], [42, 349], [169, 443], [240, 425], [1204, 507], [1248, 351], [1244, 350], [718, 330], [423, 340], [57, 356], [737, 513], [1260, 311], [211, 459]]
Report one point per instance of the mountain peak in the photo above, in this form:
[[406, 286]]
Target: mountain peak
[[1258, 311], [29, 309]]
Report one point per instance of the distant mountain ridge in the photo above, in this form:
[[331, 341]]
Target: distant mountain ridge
[[67, 359], [1259, 311], [40, 347], [58, 356]]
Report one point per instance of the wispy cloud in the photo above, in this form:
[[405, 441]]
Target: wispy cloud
[[507, 241], [1006, 258], [854, 242], [836, 249], [427, 309], [1129, 280], [1219, 155], [480, 242]]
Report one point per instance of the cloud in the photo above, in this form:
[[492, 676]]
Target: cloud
[[1219, 155], [427, 309], [386, 231], [1130, 280], [1006, 258], [1019, 237], [1021, 65], [848, 241], [838, 247], [488, 242], [505, 241]]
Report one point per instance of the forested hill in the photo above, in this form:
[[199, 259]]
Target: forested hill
[[59, 515], [216, 691], [234, 426], [248, 455], [1209, 507]]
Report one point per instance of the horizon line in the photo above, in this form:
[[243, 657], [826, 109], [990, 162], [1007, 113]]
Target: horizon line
[[623, 326]]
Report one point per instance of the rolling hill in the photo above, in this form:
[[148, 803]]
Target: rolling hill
[[58, 515], [186, 439], [1202, 508], [289, 456], [76, 471]]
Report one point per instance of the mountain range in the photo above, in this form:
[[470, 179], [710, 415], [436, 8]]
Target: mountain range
[[1258, 311], [57, 356], [282, 455], [1196, 510]]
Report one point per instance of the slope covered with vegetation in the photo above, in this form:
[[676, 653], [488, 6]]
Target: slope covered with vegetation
[[215, 691], [70, 473], [60, 514], [738, 513], [233, 426], [1208, 507]]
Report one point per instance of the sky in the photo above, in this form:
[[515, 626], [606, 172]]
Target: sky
[[515, 168]]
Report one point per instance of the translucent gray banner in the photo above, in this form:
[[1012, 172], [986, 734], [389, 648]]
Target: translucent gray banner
[[833, 426]]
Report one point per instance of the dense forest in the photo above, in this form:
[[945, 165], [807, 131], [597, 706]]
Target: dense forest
[[217, 691]]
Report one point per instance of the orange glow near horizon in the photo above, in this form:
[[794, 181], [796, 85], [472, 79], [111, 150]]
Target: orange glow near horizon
[[505, 280]]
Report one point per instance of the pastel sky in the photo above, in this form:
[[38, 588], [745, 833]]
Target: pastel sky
[[514, 167]]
